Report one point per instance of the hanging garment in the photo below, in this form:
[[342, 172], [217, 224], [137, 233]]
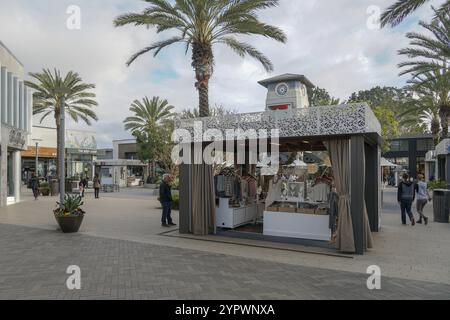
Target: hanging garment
[[320, 192], [333, 201]]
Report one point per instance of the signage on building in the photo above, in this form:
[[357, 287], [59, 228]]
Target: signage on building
[[17, 138], [81, 151]]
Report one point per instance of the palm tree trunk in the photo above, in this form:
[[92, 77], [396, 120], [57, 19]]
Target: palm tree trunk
[[203, 97], [58, 124], [202, 62], [443, 113]]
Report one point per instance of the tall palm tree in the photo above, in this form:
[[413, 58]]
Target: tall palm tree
[[147, 114], [428, 52], [396, 13], [50, 88], [201, 24]]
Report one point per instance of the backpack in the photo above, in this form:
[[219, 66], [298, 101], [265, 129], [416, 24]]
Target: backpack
[[407, 191]]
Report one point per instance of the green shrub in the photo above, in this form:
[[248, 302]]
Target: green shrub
[[175, 202], [70, 206], [437, 184]]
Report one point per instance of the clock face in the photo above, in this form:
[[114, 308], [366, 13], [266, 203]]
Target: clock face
[[282, 89]]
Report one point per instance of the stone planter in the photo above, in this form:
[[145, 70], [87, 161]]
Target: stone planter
[[69, 224]]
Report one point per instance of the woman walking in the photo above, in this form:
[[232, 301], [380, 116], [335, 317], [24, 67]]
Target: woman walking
[[422, 198], [97, 185], [34, 184]]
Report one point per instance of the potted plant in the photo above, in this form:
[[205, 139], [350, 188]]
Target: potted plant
[[69, 215], [44, 189]]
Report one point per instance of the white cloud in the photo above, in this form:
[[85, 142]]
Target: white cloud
[[329, 42]]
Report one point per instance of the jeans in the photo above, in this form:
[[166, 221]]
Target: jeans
[[405, 206], [420, 205], [96, 191], [166, 212], [35, 192]]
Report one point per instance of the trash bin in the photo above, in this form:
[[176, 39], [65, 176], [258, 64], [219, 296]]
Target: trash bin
[[441, 205], [54, 187]]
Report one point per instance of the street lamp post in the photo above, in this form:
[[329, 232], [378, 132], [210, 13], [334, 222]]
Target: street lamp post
[[37, 156]]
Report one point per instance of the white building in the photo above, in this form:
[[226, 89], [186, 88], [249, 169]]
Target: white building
[[15, 119], [124, 169]]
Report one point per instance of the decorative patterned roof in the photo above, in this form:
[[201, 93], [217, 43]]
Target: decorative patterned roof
[[347, 119]]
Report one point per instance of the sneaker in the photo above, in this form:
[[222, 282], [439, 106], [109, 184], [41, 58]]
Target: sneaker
[[426, 221], [165, 225], [413, 222], [172, 224]]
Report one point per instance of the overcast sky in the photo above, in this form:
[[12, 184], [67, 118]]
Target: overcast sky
[[329, 41]]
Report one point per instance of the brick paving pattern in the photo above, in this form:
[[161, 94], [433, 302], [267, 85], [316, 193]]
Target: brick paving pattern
[[33, 263]]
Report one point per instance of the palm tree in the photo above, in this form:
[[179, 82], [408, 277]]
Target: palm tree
[[147, 114], [396, 13], [435, 87], [201, 24], [150, 122], [432, 122], [428, 52], [50, 88]]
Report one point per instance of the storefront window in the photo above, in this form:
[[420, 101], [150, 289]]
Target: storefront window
[[425, 144], [399, 145]]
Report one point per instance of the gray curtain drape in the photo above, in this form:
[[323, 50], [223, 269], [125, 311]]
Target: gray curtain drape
[[203, 198], [340, 159], [368, 241]]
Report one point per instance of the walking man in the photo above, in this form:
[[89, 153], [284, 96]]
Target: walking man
[[165, 197], [422, 198], [34, 184], [405, 196], [97, 185]]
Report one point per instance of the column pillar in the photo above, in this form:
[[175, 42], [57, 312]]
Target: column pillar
[[3, 172], [357, 193], [17, 174]]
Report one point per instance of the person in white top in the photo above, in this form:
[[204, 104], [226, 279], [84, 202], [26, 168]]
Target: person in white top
[[422, 198]]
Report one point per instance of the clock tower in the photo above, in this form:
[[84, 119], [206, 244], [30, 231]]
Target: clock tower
[[288, 91]]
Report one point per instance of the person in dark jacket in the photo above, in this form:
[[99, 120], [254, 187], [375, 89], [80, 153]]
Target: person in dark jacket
[[165, 197], [406, 194], [34, 184]]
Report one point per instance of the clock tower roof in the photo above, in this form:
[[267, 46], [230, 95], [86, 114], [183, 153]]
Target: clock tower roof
[[287, 77]]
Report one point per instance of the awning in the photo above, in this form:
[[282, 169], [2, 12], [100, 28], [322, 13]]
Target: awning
[[385, 163]]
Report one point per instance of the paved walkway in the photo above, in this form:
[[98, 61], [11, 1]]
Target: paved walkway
[[34, 263], [122, 255]]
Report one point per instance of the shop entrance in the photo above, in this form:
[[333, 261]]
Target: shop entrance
[[294, 203]]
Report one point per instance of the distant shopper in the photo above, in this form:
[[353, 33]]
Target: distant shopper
[[405, 196], [82, 185], [422, 198], [97, 185], [165, 197], [34, 184]]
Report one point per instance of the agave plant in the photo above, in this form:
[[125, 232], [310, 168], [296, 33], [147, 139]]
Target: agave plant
[[70, 206]]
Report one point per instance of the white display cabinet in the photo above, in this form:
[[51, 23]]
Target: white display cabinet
[[231, 218], [297, 225]]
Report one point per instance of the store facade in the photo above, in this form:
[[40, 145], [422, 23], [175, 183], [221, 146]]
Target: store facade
[[15, 122], [327, 166], [80, 153], [120, 166]]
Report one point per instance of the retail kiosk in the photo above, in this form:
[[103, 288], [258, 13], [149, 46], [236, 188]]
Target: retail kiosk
[[327, 182]]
